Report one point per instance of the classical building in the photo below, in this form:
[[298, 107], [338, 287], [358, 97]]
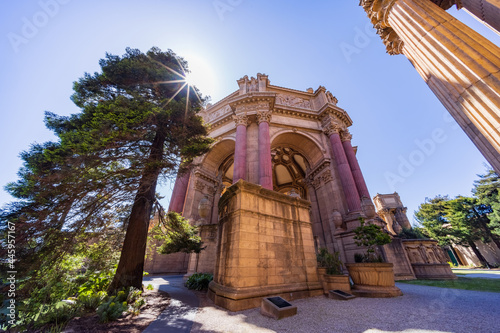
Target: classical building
[[281, 181], [460, 66]]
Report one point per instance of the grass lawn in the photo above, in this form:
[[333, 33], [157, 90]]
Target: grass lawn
[[478, 284]]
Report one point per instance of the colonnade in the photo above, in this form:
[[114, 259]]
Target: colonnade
[[460, 66]]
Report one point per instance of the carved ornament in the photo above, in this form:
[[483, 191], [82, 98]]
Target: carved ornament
[[290, 100], [345, 136], [264, 116], [378, 12], [241, 119]]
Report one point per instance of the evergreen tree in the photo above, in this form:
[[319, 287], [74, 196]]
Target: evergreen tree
[[137, 123], [487, 191], [457, 221]]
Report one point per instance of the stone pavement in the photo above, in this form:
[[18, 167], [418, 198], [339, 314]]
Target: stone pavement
[[179, 315], [421, 309]]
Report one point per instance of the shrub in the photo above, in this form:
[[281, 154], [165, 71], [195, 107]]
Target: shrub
[[111, 310], [91, 301], [370, 235], [199, 281], [330, 261]]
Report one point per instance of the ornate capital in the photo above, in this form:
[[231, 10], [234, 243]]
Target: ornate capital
[[378, 12], [332, 125], [345, 136], [264, 116], [241, 119]]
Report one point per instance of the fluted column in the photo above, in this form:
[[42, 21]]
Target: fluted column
[[265, 165], [240, 149], [460, 66], [346, 178], [353, 163], [179, 193]]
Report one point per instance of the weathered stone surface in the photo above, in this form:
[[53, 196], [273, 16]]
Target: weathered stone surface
[[265, 248]]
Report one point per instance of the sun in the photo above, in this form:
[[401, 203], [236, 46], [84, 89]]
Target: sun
[[202, 75]]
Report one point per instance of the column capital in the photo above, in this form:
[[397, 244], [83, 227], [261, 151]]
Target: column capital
[[378, 12], [345, 135], [241, 119], [264, 116]]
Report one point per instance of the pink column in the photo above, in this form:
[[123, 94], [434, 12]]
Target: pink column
[[265, 165], [346, 178], [353, 163], [179, 193], [240, 149]]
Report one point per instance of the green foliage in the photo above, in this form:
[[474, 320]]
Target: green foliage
[[199, 281], [370, 236], [176, 234], [465, 283], [412, 233], [150, 287], [49, 314], [129, 300], [330, 261], [90, 300], [487, 191], [111, 310]]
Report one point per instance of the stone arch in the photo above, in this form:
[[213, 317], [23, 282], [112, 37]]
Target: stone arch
[[293, 155], [218, 154], [304, 143]]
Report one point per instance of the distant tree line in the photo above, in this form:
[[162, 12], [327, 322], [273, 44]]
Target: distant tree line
[[465, 220]]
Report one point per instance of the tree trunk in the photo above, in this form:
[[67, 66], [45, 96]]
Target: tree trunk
[[478, 254], [130, 268]]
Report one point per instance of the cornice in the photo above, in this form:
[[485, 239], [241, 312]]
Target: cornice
[[253, 97], [340, 114]]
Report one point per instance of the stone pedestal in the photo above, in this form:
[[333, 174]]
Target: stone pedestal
[[265, 247]]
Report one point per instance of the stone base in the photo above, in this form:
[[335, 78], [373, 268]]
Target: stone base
[[269, 309], [336, 282], [433, 272], [238, 299], [376, 292]]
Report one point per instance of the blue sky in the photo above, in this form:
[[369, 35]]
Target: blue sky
[[407, 142]]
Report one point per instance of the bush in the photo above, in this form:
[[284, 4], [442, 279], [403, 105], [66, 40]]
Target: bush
[[369, 235], [111, 310], [199, 281], [330, 261], [91, 301]]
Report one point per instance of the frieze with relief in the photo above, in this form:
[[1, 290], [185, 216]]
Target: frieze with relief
[[218, 113], [290, 100]]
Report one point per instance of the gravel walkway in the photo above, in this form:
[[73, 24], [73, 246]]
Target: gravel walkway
[[421, 309]]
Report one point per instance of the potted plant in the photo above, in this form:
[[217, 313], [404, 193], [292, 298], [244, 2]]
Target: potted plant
[[330, 271], [372, 276]]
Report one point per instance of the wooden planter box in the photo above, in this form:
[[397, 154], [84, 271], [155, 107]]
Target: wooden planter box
[[336, 282], [373, 280]]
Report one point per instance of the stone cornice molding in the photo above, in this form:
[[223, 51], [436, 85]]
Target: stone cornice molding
[[332, 125], [264, 116], [378, 12], [325, 164], [260, 98], [329, 110], [241, 119], [202, 175]]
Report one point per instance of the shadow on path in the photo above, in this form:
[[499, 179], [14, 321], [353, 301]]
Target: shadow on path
[[179, 315]]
